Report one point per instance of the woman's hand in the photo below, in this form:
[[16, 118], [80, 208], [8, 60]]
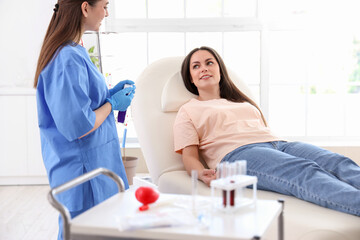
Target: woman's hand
[[207, 175], [190, 157]]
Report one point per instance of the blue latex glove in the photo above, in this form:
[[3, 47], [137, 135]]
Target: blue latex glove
[[121, 100], [120, 86]]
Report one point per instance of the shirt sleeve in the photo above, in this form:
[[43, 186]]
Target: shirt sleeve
[[185, 133], [67, 96]]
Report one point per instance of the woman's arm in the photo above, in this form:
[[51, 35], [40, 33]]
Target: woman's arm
[[101, 114], [191, 160]]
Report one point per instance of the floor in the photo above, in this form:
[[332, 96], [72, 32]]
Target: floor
[[25, 213]]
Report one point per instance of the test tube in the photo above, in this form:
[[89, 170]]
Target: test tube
[[232, 171], [219, 171], [232, 176], [227, 173], [241, 170], [243, 167], [194, 182], [225, 170]]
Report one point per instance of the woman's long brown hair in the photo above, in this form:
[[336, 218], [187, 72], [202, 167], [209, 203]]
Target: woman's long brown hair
[[228, 89], [65, 27]]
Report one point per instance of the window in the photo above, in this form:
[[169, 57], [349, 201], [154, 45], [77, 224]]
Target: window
[[313, 63], [300, 58]]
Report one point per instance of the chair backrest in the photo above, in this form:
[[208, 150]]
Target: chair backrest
[[160, 92]]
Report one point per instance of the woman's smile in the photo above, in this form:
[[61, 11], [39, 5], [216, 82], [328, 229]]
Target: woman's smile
[[204, 77]]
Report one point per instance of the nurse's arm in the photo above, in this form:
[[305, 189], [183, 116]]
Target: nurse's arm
[[191, 160], [101, 114]]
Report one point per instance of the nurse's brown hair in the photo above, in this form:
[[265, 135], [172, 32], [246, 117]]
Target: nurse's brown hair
[[228, 89], [65, 27]]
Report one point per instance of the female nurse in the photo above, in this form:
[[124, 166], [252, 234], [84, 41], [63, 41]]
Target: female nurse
[[75, 108]]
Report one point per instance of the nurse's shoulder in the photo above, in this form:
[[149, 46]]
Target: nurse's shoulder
[[71, 53], [65, 56]]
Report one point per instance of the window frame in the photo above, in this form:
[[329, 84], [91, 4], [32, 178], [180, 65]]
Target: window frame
[[225, 24]]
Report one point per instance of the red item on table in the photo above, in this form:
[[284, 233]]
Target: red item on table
[[146, 195]]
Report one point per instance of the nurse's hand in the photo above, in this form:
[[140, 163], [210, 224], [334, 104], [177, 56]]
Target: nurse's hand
[[121, 100], [120, 86]]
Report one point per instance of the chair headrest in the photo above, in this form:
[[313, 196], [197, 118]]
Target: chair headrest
[[174, 94]]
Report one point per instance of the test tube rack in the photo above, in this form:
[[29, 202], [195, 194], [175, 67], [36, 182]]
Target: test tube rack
[[229, 187]]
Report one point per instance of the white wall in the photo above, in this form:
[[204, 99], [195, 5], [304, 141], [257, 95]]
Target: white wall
[[23, 26]]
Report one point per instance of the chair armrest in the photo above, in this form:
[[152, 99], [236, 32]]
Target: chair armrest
[[179, 182]]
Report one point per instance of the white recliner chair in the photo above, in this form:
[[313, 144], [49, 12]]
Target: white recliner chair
[[159, 94]]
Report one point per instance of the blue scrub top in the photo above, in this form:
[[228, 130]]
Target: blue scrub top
[[69, 89]]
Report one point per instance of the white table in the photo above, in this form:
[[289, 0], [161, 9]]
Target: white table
[[103, 220]]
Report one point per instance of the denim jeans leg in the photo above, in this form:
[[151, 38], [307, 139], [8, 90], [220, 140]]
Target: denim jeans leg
[[300, 177], [338, 165]]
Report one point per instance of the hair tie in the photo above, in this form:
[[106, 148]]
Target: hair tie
[[56, 7]]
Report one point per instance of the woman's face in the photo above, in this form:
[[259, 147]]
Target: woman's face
[[204, 70], [95, 15]]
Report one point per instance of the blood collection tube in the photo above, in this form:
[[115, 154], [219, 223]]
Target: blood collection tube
[[194, 182]]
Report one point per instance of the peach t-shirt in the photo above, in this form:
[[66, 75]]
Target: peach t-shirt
[[218, 127]]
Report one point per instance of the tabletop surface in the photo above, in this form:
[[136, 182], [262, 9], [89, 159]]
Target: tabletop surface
[[119, 217]]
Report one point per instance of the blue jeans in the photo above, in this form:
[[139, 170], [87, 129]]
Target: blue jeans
[[304, 171]]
